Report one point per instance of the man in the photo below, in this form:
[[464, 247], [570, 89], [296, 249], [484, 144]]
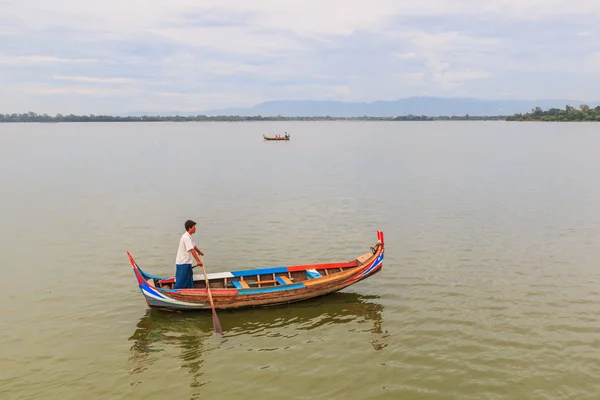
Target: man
[[186, 252]]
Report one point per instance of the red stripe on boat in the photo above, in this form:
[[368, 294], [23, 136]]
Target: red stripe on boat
[[321, 266]]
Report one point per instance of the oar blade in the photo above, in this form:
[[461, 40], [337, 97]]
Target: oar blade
[[217, 323]]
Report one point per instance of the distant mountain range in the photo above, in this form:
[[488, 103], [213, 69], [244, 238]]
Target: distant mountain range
[[430, 106]]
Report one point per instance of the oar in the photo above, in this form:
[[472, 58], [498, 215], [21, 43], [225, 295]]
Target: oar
[[216, 322]]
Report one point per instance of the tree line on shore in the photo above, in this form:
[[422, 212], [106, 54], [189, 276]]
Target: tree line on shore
[[584, 113], [33, 117]]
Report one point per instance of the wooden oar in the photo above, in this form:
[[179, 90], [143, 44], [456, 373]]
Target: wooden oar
[[216, 322]]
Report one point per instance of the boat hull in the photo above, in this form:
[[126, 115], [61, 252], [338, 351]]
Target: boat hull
[[275, 138]]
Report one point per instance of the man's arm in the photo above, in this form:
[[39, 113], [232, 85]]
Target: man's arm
[[195, 254], [198, 250]]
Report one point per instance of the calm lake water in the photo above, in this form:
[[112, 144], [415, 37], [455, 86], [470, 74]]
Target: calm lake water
[[490, 287]]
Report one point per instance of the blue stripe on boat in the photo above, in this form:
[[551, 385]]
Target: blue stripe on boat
[[276, 270], [375, 264], [152, 291], [272, 289], [168, 290]]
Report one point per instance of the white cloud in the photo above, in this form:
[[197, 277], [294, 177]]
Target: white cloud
[[190, 102], [302, 16], [592, 63], [460, 76], [405, 56], [196, 54], [447, 40], [239, 40], [82, 91], [42, 59], [92, 79]]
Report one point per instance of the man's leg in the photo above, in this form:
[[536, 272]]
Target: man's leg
[[190, 277], [181, 276]]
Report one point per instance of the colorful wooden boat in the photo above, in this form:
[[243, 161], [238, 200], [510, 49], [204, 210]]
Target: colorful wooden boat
[[277, 138], [260, 287]]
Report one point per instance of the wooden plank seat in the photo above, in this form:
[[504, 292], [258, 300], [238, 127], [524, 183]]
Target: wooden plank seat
[[362, 259], [240, 284], [284, 280]]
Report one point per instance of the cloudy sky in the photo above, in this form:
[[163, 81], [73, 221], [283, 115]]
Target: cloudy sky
[[113, 56]]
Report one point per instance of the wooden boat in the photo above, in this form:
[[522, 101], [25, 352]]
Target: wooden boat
[[260, 287], [277, 138]]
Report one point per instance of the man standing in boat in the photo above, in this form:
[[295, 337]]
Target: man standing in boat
[[186, 253]]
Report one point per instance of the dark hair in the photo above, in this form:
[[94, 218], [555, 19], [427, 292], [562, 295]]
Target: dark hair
[[188, 224]]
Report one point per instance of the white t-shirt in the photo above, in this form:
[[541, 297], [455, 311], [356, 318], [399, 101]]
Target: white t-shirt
[[184, 256]]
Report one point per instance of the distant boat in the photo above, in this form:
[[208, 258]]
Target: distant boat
[[286, 137], [260, 287]]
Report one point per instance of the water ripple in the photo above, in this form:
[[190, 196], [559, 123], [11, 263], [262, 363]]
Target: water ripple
[[489, 290]]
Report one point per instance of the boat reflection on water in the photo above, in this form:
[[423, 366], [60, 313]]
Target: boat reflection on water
[[191, 333], [157, 328]]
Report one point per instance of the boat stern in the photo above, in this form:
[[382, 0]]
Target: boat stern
[[159, 298], [146, 284]]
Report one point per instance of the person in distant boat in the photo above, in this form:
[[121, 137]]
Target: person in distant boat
[[186, 253], [286, 135], [277, 136]]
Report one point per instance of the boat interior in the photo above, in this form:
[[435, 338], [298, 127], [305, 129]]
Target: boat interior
[[264, 278]]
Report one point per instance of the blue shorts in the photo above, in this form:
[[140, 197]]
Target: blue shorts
[[184, 277]]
